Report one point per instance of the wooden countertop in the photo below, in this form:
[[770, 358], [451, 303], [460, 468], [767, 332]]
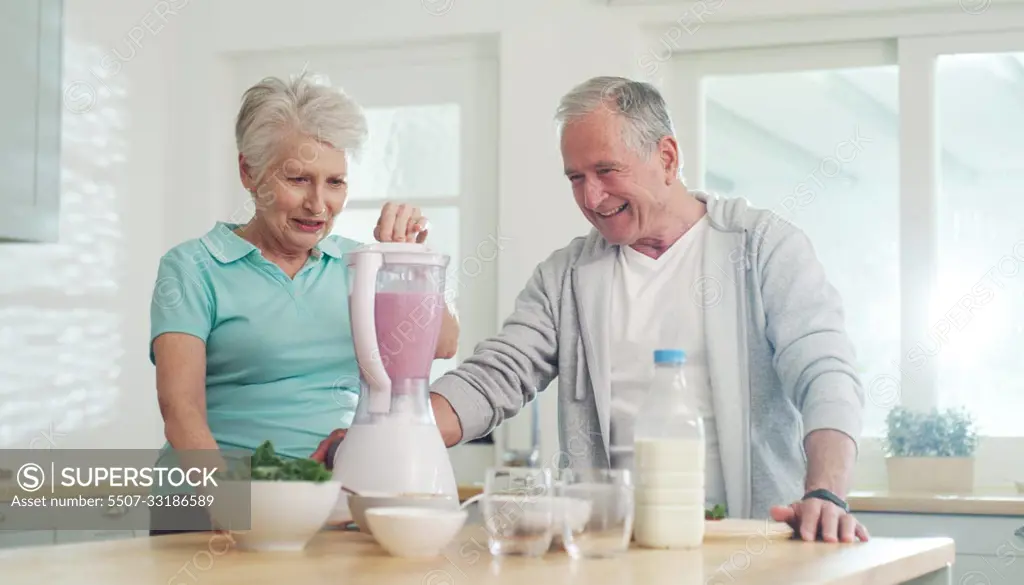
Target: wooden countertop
[[468, 491], [354, 558], [983, 504]]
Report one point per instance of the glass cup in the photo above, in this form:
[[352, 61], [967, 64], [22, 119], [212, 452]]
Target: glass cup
[[596, 512], [517, 510]]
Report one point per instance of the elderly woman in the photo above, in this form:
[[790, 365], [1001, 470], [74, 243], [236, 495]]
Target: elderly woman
[[250, 326]]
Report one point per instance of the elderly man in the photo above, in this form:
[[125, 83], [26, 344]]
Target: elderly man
[[740, 290]]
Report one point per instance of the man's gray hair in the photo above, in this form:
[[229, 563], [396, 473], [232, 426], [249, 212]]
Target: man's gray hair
[[274, 111], [641, 105]]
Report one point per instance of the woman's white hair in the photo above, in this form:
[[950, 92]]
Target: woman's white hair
[[274, 111], [640, 104]]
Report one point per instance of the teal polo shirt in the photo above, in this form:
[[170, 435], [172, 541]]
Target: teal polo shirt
[[279, 352]]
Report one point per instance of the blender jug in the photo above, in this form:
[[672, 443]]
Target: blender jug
[[396, 307]]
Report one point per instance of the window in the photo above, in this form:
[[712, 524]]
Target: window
[[62, 345], [977, 335], [814, 136], [908, 187], [432, 115], [413, 156], [412, 153]]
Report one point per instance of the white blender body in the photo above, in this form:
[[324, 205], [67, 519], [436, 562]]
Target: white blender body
[[396, 306]]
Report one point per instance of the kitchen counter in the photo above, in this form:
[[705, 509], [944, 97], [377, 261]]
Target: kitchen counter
[[354, 558], [468, 491], [982, 504], [985, 504]]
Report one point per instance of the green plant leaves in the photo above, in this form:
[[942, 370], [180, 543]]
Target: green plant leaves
[[266, 465], [949, 433], [716, 513]]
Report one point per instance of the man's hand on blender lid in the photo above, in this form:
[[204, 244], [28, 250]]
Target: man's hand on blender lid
[[400, 222]]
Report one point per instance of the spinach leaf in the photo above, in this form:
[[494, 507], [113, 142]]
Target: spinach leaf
[[266, 465], [716, 513]]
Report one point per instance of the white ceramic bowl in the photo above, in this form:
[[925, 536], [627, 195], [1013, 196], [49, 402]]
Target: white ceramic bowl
[[283, 515], [358, 505], [415, 532]]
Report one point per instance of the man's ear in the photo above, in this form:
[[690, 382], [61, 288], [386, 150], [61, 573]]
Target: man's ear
[[671, 158]]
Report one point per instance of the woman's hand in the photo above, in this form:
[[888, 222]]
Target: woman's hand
[[400, 222], [323, 450]]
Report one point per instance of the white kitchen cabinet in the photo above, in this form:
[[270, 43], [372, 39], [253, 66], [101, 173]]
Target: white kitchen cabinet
[[30, 119], [23, 519], [76, 536], [14, 539], [107, 525], [23, 538], [989, 549], [110, 524], [14, 522]]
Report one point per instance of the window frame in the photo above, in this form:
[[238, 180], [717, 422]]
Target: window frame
[[916, 56], [461, 71]]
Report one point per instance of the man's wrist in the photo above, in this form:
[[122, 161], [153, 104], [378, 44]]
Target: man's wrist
[[827, 495], [836, 487], [833, 486], [447, 420], [830, 461]]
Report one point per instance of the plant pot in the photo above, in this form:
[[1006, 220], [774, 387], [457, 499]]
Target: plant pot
[[936, 475]]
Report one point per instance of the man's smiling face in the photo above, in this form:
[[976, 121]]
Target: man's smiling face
[[619, 192]]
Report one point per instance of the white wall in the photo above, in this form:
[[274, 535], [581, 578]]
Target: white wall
[[157, 74], [178, 115], [545, 47], [74, 315], [544, 50]]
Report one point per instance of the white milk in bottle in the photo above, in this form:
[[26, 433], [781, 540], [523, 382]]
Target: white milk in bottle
[[669, 460]]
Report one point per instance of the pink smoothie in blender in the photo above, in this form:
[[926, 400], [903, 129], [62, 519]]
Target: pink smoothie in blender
[[408, 325]]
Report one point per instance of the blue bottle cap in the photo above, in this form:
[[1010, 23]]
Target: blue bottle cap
[[669, 356]]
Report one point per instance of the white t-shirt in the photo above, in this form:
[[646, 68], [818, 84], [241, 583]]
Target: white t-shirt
[[653, 308]]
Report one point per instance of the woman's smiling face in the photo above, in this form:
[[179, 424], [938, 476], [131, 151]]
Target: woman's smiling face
[[300, 194]]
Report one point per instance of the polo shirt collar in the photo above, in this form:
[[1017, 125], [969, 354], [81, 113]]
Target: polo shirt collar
[[227, 246], [330, 247]]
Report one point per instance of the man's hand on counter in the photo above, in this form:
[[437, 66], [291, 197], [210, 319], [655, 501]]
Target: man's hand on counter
[[815, 519]]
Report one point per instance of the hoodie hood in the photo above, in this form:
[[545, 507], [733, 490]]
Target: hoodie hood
[[725, 214]]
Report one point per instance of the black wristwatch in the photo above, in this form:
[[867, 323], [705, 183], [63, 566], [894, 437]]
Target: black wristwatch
[[828, 497]]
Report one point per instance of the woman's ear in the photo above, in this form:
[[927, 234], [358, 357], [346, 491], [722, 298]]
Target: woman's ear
[[245, 175]]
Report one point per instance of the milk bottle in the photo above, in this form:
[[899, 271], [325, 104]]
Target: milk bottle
[[669, 460]]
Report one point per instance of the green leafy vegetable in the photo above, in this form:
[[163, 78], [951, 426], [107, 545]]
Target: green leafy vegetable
[[266, 465], [716, 513]]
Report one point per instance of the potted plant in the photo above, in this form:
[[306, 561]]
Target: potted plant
[[930, 452]]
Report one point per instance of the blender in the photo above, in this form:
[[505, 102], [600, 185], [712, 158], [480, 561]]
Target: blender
[[396, 307]]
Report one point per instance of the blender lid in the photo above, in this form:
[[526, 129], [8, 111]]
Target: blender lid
[[400, 253]]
